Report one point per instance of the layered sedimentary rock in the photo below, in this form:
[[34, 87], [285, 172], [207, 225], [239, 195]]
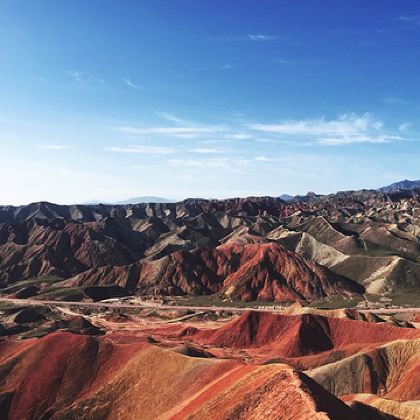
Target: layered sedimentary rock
[[256, 365], [246, 272], [368, 237]]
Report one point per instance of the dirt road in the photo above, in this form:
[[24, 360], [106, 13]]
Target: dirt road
[[118, 305]]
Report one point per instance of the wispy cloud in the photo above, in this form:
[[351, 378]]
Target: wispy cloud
[[285, 61], [415, 19], [84, 78], [404, 126], [221, 67], [236, 165], [256, 37], [76, 75], [187, 132], [392, 100], [238, 136], [171, 118], [128, 82], [53, 146], [204, 150], [289, 61], [39, 79], [263, 159], [158, 150], [347, 129], [262, 37]]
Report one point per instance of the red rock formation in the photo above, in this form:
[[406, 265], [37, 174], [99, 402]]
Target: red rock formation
[[72, 376], [356, 234], [146, 366], [299, 335], [60, 247], [260, 271]]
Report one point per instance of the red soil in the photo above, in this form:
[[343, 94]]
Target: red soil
[[121, 374], [255, 271], [408, 388], [213, 389], [60, 367], [299, 335], [75, 376]]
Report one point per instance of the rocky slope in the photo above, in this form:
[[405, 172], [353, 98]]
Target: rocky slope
[[367, 237], [170, 364], [92, 377], [401, 185], [260, 271]]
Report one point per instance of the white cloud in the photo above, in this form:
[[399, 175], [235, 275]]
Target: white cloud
[[76, 75], [338, 141], [261, 37], [40, 79], [84, 78], [204, 150], [171, 131], [263, 159], [238, 136], [128, 82], [237, 165], [347, 129], [222, 67], [54, 146], [158, 150], [286, 61], [404, 126], [392, 100], [172, 118], [410, 18]]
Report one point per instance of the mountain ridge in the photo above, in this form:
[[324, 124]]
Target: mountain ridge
[[364, 236], [400, 185]]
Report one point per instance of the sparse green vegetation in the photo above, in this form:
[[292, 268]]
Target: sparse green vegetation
[[376, 250], [405, 298], [372, 298], [335, 302], [30, 282], [7, 306], [62, 293], [215, 300]]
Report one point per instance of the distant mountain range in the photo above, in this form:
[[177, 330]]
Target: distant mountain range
[[132, 200], [396, 186], [287, 197], [401, 185]]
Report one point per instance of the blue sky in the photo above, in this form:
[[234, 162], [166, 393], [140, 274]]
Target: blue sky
[[113, 99]]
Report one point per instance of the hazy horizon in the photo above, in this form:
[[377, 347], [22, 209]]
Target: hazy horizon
[[106, 100], [126, 200]]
